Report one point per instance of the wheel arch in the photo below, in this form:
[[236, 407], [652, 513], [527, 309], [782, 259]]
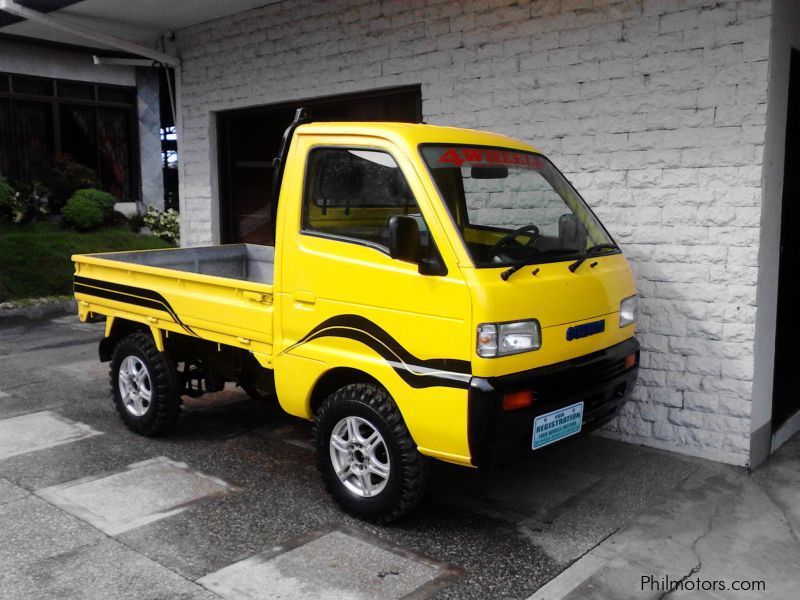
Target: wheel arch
[[116, 329], [334, 379]]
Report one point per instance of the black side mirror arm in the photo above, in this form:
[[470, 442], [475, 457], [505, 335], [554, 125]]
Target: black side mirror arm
[[433, 264]]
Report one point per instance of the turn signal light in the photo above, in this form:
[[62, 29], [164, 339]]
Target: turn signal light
[[517, 400], [630, 361]]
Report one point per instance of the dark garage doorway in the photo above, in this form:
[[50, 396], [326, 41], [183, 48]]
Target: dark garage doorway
[[250, 138], [786, 397]]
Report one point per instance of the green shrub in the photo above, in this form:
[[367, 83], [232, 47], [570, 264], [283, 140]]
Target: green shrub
[[83, 214], [103, 200], [8, 201], [163, 224], [66, 177], [35, 259]]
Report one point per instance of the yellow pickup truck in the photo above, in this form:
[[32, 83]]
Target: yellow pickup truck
[[432, 292]]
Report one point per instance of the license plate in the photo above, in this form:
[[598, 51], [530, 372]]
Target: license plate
[[553, 426]]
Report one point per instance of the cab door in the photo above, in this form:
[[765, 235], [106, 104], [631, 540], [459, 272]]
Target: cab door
[[346, 302]]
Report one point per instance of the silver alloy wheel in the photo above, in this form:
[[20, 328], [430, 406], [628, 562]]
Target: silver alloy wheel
[[359, 456], [135, 386]]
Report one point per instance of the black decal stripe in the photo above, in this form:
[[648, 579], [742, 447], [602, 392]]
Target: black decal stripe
[[363, 324], [412, 373], [119, 287], [415, 372], [129, 294], [101, 293]]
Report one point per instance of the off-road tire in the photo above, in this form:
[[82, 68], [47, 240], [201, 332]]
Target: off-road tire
[[162, 414], [407, 481]]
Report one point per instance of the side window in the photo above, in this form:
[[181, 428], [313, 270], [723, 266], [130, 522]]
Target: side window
[[353, 193]]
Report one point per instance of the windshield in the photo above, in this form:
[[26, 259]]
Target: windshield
[[513, 207]]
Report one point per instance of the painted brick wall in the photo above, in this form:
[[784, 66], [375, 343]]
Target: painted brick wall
[[654, 108]]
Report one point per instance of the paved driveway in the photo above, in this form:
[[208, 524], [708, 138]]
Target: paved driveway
[[231, 505]]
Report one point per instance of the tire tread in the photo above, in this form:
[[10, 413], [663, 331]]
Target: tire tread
[[414, 466], [164, 377]]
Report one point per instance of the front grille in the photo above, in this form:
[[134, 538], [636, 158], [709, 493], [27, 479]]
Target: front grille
[[580, 379], [591, 378]]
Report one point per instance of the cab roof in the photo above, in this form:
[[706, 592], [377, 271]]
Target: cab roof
[[413, 134]]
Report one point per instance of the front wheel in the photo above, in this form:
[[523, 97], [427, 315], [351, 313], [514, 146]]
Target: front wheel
[[367, 458], [145, 386]]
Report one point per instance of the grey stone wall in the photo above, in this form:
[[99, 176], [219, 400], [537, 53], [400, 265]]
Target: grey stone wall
[[654, 108]]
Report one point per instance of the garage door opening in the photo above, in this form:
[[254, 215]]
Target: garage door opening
[[786, 397], [250, 138]]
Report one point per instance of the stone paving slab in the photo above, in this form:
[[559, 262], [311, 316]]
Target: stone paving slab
[[102, 571], [10, 492], [331, 564], [140, 494], [37, 431], [33, 530]]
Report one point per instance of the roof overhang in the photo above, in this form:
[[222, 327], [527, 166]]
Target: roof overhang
[[136, 28]]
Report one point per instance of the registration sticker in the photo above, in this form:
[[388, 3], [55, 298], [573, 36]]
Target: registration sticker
[[553, 426]]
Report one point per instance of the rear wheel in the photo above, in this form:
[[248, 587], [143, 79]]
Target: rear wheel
[[145, 386], [367, 458]]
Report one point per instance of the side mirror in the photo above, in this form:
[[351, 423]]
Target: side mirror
[[404, 238]]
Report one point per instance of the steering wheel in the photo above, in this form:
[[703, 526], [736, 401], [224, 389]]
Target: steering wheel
[[532, 229]]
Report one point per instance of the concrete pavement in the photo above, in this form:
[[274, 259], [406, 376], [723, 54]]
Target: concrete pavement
[[232, 499], [715, 532]]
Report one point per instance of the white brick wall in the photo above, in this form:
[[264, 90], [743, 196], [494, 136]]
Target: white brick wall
[[654, 108]]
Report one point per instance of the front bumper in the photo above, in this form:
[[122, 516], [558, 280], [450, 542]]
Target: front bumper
[[600, 380]]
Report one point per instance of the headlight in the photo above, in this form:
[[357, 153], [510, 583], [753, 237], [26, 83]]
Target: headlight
[[627, 311], [502, 339]]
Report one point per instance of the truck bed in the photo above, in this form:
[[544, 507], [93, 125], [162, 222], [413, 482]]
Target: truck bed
[[219, 293], [245, 262]]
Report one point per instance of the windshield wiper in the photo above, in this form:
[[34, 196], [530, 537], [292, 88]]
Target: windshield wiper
[[531, 260], [510, 271], [591, 249]]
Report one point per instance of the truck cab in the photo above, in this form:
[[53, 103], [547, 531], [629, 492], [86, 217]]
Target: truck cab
[[433, 292]]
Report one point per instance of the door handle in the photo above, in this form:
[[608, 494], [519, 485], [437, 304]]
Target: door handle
[[304, 297], [257, 297]]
